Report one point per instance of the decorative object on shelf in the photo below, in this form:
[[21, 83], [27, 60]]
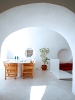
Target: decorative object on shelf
[[43, 55], [16, 57]]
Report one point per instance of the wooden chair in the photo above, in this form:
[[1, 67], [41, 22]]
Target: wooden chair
[[10, 70], [27, 70]]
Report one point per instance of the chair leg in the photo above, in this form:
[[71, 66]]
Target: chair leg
[[15, 74], [23, 75], [5, 74], [5, 78]]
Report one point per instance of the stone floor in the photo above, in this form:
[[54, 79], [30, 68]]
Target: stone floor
[[44, 86]]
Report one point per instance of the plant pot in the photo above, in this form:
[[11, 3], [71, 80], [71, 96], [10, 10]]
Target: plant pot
[[44, 67]]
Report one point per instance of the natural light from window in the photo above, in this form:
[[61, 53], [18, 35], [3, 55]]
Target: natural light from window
[[37, 92]]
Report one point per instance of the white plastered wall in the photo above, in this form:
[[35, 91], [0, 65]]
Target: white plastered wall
[[54, 17]]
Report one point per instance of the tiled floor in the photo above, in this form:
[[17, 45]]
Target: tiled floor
[[44, 86]]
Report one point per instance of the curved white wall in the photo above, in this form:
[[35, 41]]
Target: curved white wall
[[36, 38], [45, 15], [54, 17]]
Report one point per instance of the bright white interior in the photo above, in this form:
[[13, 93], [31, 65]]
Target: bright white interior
[[17, 43], [48, 16]]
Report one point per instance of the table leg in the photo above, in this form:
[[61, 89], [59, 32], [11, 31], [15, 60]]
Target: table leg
[[19, 70]]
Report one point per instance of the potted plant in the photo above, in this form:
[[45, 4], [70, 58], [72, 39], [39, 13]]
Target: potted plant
[[43, 55]]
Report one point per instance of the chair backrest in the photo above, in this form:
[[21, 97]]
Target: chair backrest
[[10, 65], [27, 69], [10, 69], [25, 65]]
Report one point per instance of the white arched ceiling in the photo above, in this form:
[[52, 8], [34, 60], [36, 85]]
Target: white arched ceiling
[[45, 15]]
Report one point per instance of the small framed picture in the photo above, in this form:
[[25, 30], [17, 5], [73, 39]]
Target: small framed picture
[[29, 53]]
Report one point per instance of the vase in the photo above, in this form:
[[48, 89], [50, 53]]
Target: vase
[[44, 67]]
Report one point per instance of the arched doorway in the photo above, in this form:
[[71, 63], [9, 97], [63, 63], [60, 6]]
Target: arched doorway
[[47, 16]]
